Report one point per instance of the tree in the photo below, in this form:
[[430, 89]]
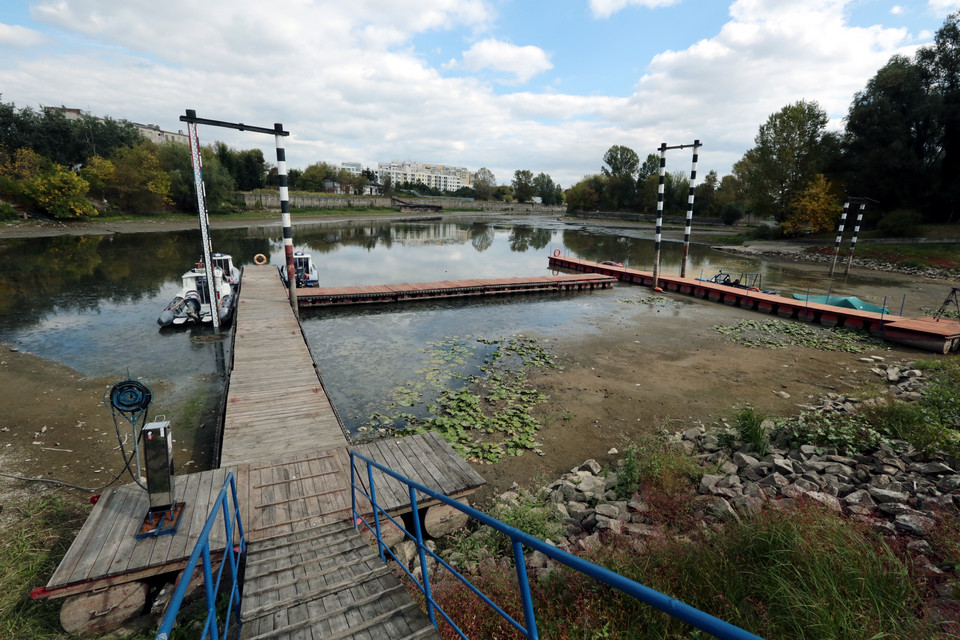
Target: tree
[[523, 187], [60, 192], [98, 172], [139, 184], [650, 167], [174, 159], [484, 183], [813, 209], [313, 176], [791, 148], [583, 196], [546, 189], [622, 161]]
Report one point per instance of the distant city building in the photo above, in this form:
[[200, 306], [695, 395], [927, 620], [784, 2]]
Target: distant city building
[[352, 167], [153, 133], [437, 176]]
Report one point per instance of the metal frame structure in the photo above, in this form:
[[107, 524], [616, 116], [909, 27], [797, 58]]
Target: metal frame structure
[[277, 131], [518, 539], [658, 232], [234, 551]]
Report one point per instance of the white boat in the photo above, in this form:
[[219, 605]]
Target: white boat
[[305, 270], [192, 302]]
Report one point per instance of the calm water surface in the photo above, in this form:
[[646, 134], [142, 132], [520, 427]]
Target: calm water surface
[[92, 302]]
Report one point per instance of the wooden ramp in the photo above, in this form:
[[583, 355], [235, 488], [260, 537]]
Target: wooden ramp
[[275, 400]]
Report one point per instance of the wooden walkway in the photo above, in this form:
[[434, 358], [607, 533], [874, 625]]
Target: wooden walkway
[[275, 401], [309, 574], [331, 296], [920, 333]]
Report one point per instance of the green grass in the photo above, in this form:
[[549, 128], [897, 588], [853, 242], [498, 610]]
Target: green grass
[[31, 547], [750, 430], [812, 575]]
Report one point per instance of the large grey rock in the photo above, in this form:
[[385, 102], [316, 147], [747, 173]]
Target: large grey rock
[[950, 483], [825, 499], [913, 523], [578, 510], [742, 460], [707, 482], [720, 508], [607, 510], [931, 468], [441, 520], [883, 495], [860, 498], [591, 466]]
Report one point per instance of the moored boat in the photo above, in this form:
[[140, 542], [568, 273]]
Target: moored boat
[[192, 302], [305, 270]]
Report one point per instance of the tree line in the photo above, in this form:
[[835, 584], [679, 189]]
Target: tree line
[[899, 151]]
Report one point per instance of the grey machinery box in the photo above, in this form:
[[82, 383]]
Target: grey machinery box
[[157, 441]]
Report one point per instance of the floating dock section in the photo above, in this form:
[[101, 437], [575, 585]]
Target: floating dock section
[[332, 296], [920, 333]]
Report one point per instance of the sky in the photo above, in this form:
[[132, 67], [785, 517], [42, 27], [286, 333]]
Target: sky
[[542, 85]]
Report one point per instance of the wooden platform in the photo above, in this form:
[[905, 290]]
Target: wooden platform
[[336, 296], [920, 333], [275, 401], [287, 495]]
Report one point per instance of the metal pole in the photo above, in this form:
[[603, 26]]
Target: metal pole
[[656, 243], [285, 216], [903, 303], [199, 187], [836, 247], [853, 241], [686, 231]]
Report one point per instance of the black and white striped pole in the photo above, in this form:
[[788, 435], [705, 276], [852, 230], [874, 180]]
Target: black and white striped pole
[[853, 241], [285, 216], [689, 224], [656, 242], [836, 246]]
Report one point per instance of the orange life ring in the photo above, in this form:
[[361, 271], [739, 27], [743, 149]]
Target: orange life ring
[[260, 259], [752, 289], [556, 254]]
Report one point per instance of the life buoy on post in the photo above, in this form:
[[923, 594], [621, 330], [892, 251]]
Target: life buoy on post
[[556, 253], [260, 259]]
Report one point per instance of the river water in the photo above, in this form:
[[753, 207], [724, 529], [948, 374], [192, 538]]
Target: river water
[[91, 302]]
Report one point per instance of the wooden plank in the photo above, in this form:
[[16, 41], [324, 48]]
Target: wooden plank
[[106, 512]]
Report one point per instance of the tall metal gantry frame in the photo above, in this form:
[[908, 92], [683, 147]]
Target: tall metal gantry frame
[[658, 233]]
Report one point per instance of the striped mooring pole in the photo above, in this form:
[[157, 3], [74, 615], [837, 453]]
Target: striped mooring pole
[[204, 217], [836, 247], [656, 243], [285, 216], [686, 230], [853, 241]]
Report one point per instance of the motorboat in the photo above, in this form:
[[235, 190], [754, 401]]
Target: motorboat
[[305, 270], [192, 302], [225, 262], [749, 281]]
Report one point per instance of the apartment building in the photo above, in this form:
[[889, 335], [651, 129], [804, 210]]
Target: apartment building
[[437, 176]]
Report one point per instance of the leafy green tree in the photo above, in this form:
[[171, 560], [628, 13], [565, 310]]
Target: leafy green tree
[[523, 187], [546, 189], [503, 193], [620, 161], [387, 186], [98, 172], [650, 167], [139, 184], [314, 175], [174, 159], [484, 183], [584, 196], [792, 147]]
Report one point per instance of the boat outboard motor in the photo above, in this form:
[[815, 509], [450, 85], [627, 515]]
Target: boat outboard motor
[[191, 305]]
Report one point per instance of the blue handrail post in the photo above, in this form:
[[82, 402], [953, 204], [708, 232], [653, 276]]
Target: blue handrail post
[[353, 492], [529, 617], [211, 595], [424, 574], [376, 511]]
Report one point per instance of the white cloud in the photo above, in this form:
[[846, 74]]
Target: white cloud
[[522, 62], [606, 8], [896, 10], [943, 7], [20, 37], [767, 56]]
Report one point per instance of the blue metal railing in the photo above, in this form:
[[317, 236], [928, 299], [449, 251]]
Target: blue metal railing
[[233, 551], [518, 539]]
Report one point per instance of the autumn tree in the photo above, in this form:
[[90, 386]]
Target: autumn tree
[[813, 209], [60, 192]]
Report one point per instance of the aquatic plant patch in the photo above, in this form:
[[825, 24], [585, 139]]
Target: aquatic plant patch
[[474, 392], [780, 334]]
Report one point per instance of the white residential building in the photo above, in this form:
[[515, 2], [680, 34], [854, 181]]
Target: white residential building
[[437, 176], [352, 167]]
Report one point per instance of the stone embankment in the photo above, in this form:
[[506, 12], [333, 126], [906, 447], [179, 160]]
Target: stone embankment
[[895, 489], [769, 249]]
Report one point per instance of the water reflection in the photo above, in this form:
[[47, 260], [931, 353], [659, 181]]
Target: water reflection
[[91, 302]]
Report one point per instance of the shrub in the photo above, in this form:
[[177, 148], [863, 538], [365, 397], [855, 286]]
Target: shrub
[[7, 212], [731, 214], [61, 193], [628, 474], [901, 223], [750, 430]]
